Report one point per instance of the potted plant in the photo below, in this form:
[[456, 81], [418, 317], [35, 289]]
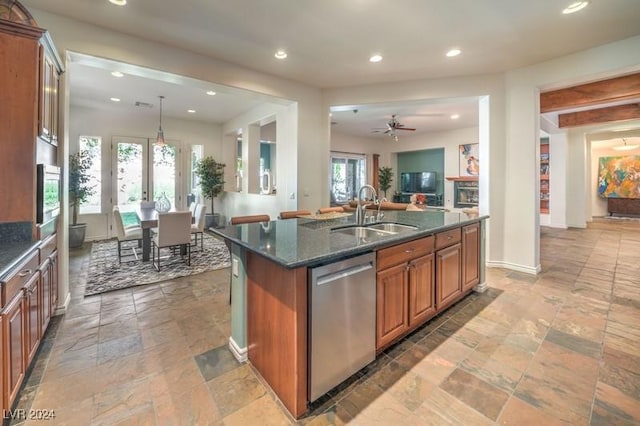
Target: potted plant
[[385, 177], [80, 189], [210, 175]]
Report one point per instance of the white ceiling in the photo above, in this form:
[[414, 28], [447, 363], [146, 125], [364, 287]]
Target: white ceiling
[[329, 43]]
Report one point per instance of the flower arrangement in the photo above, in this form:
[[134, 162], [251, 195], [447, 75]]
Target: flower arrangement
[[421, 199]]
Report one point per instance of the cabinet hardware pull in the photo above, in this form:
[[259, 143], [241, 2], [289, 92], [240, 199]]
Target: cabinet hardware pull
[[410, 250], [25, 273], [449, 237]]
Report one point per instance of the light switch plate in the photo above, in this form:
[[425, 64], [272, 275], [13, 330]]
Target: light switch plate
[[234, 267]]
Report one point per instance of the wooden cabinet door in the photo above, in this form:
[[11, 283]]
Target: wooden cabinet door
[[33, 320], [54, 81], [44, 99], [45, 294], [13, 319], [448, 279], [392, 319], [53, 282], [422, 304], [470, 256]]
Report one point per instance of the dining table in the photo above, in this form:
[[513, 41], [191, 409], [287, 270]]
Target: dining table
[[148, 218]]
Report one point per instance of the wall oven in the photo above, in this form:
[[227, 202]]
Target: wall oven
[[48, 193]]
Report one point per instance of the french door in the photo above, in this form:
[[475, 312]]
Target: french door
[[143, 171]]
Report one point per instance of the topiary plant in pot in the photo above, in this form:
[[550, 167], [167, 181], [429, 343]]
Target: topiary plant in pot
[[385, 177], [210, 174], [80, 189]]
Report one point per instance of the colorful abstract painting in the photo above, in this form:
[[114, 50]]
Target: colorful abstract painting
[[469, 160], [619, 177]]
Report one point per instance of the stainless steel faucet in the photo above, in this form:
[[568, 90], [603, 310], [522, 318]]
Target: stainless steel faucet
[[361, 211]]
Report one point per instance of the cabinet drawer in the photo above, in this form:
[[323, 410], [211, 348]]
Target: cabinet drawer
[[19, 277], [445, 239], [404, 252], [47, 246]]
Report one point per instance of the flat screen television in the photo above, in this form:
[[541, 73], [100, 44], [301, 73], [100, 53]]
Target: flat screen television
[[421, 182]]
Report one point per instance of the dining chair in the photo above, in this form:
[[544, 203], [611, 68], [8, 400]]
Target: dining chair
[[198, 226], [192, 208], [237, 220], [129, 233], [330, 209], [174, 229], [292, 214]]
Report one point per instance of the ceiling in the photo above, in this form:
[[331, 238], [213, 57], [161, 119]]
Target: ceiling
[[328, 44], [329, 41]]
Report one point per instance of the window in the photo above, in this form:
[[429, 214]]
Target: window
[[348, 174], [93, 145], [196, 155]]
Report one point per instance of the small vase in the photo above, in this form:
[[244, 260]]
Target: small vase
[[163, 204]]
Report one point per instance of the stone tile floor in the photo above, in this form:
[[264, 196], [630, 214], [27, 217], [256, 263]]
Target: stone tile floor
[[559, 348]]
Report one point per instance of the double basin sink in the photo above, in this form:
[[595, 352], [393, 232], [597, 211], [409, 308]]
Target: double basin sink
[[375, 231]]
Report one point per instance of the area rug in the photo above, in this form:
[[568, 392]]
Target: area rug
[[107, 274]]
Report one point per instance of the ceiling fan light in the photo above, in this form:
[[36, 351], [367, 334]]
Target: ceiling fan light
[[280, 54], [118, 2], [375, 58]]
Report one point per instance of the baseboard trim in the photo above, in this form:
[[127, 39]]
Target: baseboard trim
[[515, 267], [63, 309], [238, 352]]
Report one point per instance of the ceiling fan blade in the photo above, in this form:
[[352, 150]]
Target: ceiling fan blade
[[405, 128]]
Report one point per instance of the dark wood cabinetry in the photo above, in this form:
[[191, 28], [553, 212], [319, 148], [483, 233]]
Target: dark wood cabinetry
[[404, 289], [49, 85], [418, 279], [13, 318], [29, 299], [470, 256], [421, 298], [391, 299], [448, 276]]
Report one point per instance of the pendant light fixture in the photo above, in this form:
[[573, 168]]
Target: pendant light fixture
[[160, 138], [625, 147]]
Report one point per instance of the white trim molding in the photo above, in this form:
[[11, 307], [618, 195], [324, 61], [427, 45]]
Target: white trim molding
[[241, 354], [515, 267]]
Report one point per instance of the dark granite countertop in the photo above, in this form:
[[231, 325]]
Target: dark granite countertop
[[12, 253], [304, 242], [16, 244]]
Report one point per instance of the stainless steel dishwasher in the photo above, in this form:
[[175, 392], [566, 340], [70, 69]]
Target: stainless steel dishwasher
[[342, 325]]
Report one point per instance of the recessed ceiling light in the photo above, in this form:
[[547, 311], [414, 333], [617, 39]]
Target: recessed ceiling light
[[280, 54], [375, 58], [455, 116], [575, 6], [118, 2], [453, 52], [191, 111], [211, 93], [115, 99], [117, 74]]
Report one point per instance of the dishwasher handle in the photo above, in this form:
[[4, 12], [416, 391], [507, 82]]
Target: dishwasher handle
[[329, 278]]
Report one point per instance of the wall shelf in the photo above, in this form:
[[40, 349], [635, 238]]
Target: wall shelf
[[544, 176]]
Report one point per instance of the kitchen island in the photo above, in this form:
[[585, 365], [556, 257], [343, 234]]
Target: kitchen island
[[420, 268]]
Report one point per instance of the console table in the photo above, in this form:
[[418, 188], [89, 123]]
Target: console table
[[623, 206]]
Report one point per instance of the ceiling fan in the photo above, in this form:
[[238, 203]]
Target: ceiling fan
[[392, 126]]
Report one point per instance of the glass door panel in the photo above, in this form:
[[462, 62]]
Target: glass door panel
[[165, 172], [130, 174]]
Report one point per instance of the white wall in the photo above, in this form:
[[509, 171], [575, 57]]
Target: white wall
[[108, 123]]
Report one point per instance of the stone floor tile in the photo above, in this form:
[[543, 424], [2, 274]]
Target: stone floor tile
[[518, 413], [476, 393], [235, 389], [263, 411], [216, 362], [575, 343], [193, 407], [611, 406], [442, 408]]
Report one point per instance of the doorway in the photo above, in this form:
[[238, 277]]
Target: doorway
[[144, 171]]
